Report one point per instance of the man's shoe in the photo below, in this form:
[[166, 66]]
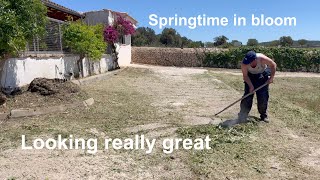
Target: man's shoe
[[266, 119]]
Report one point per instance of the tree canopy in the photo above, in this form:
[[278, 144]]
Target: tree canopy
[[145, 36], [236, 43], [87, 41], [170, 37], [20, 20], [220, 40], [275, 43], [302, 42], [286, 41], [252, 42]]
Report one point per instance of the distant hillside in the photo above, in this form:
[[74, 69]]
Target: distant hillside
[[295, 43], [314, 43]]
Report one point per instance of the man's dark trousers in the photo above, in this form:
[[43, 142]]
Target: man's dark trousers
[[262, 95]]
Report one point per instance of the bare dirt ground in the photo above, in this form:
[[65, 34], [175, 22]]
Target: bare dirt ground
[[192, 92], [156, 102]]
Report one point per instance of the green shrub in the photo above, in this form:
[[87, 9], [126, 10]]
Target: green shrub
[[87, 41], [287, 59]]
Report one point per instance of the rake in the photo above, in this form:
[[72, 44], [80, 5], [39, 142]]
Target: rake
[[244, 97]]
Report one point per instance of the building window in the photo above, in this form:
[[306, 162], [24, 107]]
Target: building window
[[122, 40], [125, 40]]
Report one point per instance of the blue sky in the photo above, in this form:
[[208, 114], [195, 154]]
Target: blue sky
[[306, 12]]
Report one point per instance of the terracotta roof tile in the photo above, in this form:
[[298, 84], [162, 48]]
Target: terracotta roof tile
[[51, 4]]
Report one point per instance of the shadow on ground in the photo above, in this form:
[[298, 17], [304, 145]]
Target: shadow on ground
[[232, 122]]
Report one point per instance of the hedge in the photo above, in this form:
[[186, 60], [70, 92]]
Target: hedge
[[287, 59]]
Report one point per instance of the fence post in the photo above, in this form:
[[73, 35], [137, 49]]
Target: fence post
[[38, 44], [60, 36], [34, 44]]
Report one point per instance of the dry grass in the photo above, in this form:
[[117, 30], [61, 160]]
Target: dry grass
[[284, 149], [280, 150]]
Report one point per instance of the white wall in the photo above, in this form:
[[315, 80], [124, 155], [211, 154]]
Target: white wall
[[107, 17], [21, 71], [106, 63], [98, 17], [97, 67], [124, 55], [18, 72]]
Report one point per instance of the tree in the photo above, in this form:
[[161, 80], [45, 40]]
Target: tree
[[236, 43], [185, 42], [196, 44], [209, 44], [220, 40], [178, 41], [139, 40], [87, 41], [144, 36], [302, 42], [170, 37], [20, 20], [252, 42], [286, 41], [274, 43]]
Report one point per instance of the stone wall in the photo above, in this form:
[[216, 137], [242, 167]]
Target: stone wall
[[187, 57]]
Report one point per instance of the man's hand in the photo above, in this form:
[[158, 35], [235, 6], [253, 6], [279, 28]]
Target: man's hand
[[270, 80], [251, 89]]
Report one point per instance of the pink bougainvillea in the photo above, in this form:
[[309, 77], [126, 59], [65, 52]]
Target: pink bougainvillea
[[111, 35], [120, 27], [124, 26]]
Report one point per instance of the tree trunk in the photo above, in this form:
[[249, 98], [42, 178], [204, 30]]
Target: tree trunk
[[90, 67], [80, 66], [115, 55]]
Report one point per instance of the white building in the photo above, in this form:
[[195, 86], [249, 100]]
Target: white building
[[108, 17], [51, 60]]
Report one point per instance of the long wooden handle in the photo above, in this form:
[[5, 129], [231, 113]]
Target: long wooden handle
[[243, 98]]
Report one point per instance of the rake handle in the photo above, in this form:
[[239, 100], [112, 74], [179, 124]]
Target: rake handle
[[243, 97]]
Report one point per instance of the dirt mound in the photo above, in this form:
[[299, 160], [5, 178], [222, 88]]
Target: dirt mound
[[48, 87], [42, 92], [3, 98]]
